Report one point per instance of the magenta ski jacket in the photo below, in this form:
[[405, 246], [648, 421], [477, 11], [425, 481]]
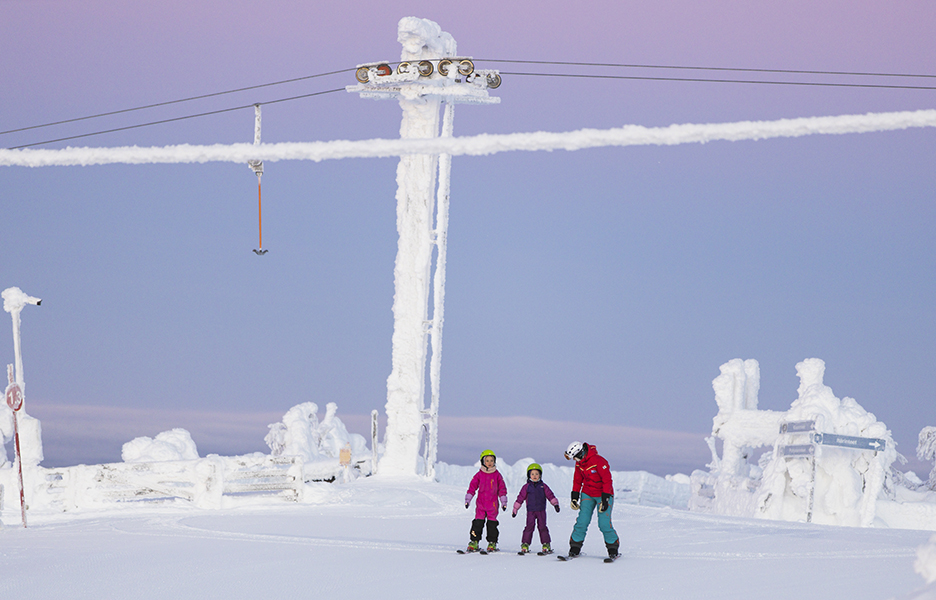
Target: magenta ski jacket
[[491, 489]]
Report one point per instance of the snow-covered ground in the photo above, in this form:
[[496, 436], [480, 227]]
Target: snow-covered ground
[[396, 538]]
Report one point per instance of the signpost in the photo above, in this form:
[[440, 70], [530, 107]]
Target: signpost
[[14, 399], [13, 302], [808, 451]]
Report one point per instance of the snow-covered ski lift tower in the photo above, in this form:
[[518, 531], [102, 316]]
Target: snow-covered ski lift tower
[[429, 74]]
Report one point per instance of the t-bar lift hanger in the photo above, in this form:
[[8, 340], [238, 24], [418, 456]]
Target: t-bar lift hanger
[[257, 167]]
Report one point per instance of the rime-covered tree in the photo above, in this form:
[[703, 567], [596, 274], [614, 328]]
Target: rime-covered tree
[[926, 450]]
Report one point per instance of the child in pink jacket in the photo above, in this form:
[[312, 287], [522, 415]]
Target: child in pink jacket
[[491, 489]]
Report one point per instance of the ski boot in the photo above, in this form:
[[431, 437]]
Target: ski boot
[[575, 548], [473, 546], [524, 548], [492, 547], [613, 551], [547, 549]]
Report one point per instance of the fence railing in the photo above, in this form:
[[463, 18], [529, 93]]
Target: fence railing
[[202, 482]]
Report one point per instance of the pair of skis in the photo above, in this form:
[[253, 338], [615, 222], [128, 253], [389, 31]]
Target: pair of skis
[[569, 557], [481, 552]]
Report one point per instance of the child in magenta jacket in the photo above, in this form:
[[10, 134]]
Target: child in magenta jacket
[[536, 493], [491, 489]]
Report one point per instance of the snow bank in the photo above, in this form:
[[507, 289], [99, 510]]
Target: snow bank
[[630, 135], [630, 487], [925, 563], [176, 444]]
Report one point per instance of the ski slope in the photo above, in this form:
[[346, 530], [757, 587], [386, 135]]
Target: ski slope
[[396, 538]]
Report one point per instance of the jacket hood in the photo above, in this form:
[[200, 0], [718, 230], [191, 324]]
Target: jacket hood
[[591, 451]]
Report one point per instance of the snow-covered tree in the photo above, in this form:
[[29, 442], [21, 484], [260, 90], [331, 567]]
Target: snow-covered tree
[[926, 450]]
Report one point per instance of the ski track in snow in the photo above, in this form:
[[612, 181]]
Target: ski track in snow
[[175, 528]]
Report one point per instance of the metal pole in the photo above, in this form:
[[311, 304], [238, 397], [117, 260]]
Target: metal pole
[[373, 419], [19, 462], [438, 290]]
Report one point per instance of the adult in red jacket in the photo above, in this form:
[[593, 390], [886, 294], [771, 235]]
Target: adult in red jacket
[[591, 488]]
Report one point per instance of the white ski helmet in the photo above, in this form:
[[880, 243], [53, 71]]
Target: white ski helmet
[[575, 450]]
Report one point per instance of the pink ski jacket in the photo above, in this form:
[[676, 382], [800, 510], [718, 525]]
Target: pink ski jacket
[[491, 489]]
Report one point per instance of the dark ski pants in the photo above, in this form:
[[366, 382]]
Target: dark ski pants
[[477, 526], [535, 518]]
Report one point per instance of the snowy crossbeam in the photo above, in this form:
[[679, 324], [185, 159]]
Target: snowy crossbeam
[[629, 135]]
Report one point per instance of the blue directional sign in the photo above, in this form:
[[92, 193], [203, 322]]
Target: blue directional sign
[[798, 450], [797, 426], [848, 441]]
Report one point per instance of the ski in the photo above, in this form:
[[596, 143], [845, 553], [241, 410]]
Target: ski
[[611, 560], [544, 553]]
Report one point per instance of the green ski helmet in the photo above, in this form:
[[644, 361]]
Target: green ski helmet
[[488, 453], [534, 467]]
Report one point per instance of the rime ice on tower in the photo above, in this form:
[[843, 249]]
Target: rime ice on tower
[[429, 74]]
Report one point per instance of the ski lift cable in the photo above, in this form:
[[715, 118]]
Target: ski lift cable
[[706, 80], [531, 62], [179, 101], [160, 122], [569, 75], [691, 68]]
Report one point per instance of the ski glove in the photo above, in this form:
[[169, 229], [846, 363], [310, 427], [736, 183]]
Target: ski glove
[[575, 500], [468, 498], [605, 498], [514, 515], [556, 507], [503, 501]]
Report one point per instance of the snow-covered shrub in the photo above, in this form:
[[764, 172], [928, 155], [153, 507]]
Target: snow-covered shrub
[[300, 433], [175, 444], [926, 450]]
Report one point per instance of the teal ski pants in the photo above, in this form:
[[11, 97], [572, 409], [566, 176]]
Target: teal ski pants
[[587, 505]]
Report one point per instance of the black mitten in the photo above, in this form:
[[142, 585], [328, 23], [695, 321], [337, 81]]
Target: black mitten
[[605, 498]]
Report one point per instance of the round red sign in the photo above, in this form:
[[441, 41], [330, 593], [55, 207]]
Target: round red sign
[[14, 397]]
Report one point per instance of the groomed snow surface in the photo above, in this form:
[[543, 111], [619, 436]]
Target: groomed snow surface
[[396, 538]]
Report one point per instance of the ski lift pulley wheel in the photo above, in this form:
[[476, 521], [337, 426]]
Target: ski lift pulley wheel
[[362, 74], [444, 66], [494, 81], [402, 68], [465, 67], [425, 68]]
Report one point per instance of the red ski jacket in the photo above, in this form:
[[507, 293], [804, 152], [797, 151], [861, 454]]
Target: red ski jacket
[[592, 475]]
